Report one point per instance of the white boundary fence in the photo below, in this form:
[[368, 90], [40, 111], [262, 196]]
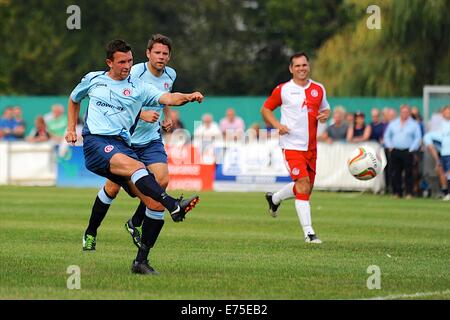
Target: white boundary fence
[[249, 167], [23, 163]]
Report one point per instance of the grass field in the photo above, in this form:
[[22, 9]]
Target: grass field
[[227, 248]]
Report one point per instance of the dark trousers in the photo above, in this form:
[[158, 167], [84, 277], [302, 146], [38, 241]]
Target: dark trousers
[[388, 171], [402, 162]]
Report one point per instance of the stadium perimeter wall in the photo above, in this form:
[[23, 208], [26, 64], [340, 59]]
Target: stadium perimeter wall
[[256, 166], [246, 107]]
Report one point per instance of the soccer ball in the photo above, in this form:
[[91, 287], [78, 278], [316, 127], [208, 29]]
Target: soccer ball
[[364, 163]]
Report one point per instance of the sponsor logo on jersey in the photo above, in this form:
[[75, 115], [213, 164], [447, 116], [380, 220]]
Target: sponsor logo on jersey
[[101, 85], [127, 92], [104, 104], [108, 148]]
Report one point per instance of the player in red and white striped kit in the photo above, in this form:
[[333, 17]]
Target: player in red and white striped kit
[[303, 103]]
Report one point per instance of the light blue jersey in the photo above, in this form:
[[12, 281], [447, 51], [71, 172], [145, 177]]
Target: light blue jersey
[[440, 138], [145, 131], [114, 105]]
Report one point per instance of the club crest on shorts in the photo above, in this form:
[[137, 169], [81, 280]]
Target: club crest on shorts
[[108, 148], [295, 171], [127, 92]]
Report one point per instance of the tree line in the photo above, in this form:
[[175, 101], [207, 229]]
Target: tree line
[[231, 47]]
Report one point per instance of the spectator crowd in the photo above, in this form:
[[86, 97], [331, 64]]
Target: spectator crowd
[[405, 139]]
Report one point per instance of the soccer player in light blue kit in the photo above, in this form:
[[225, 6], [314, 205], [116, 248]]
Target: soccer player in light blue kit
[[146, 141], [116, 100], [441, 138]]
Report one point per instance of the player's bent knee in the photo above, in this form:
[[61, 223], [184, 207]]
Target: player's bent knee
[[303, 186], [112, 189]]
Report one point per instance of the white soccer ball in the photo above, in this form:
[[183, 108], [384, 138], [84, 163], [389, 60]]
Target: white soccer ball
[[364, 163]]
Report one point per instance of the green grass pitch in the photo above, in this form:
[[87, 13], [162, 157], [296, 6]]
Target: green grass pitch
[[227, 248]]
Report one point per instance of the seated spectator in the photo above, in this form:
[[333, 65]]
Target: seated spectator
[[338, 130], [208, 133], [349, 118], [231, 125], [20, 122], [10, 128], [56, 123], [39, 133], [359, 131], [377, 126]]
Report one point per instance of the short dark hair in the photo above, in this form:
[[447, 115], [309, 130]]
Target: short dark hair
[[116, 45], [298, 55], [159, 38]]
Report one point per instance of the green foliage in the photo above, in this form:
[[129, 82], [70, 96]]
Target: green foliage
[[231, 47], [227, 47], [410, 50]]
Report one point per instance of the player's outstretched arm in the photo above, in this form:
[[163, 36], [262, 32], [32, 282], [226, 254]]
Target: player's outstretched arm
[[72, 117], [179, 99]]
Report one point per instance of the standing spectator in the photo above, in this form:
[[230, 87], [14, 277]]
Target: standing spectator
[[418, 155], [338, 130], [10, 129], [39, 133], [359, 131], [441, 137], [231, 125], [377, 126], [56, 123], [388, 115], [403, 138]]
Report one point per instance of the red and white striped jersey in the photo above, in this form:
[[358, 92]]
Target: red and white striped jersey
[[299, 109]]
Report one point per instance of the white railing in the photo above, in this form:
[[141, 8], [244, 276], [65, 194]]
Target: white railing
[[254, 166], [24, 163]]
